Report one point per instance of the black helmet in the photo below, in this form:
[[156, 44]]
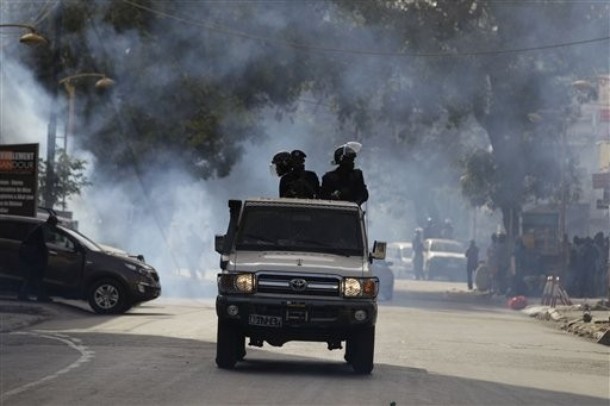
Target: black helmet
[[282, 162], [344, 154], [298, 156]]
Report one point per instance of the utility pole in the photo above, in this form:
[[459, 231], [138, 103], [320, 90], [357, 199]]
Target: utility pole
[[49, 195]]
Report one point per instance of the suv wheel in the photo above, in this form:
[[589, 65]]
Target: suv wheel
[[230, 345], [361, 346], [107, 296]]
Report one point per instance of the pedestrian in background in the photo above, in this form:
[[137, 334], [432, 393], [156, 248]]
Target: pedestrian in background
[[417, 245], [34, 258], [590, 262], [518, 269], [472, 261], [492, 261], [601, 244], [574, 268], [503, 257]]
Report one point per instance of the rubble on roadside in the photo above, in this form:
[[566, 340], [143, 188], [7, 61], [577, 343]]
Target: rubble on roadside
[[570, 318], [573, 319]]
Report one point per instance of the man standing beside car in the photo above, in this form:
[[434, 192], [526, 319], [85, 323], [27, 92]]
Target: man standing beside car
[[34, 258]]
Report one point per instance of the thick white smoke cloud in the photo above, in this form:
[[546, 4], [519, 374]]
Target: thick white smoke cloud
[[24, 109], [169, 205]]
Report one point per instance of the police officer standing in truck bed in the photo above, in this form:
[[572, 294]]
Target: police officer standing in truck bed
[[345, 182]]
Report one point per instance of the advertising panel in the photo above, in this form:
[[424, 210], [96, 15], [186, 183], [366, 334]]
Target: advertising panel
[[19, 179]]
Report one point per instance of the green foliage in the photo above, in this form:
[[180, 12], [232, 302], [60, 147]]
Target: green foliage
[[477, 182], [195, 78], [68, 178]]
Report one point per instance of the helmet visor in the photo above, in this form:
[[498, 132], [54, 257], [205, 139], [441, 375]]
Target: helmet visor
[[353, 146]]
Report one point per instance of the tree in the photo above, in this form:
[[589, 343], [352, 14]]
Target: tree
[[194, 78], [69, 179], [495, 61]]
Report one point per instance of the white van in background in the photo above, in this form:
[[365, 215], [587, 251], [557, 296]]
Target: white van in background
[[399, 256]]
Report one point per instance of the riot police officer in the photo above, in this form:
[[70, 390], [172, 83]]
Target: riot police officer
[[299, 182], [281, 165], [345, 182]]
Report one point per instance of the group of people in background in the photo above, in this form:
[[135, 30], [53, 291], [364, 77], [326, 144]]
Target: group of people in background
[[513, 269], [343, 183], [588, 266]]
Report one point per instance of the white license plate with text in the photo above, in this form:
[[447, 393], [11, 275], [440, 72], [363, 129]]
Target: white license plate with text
[[266, 321]]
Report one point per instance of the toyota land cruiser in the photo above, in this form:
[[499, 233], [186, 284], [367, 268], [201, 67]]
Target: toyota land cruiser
[[296, 270]]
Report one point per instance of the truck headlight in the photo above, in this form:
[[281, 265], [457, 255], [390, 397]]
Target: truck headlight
[[360, 287], [236, 282], [244, 282], [351, 287]]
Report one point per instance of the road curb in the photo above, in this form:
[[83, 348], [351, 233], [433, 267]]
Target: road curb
[[19, 315]]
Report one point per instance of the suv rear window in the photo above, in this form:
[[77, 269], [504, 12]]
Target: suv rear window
[[264, 228]]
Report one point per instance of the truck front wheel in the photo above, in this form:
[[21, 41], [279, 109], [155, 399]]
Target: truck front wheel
[[361, 349], [228, 345], [241, 346]]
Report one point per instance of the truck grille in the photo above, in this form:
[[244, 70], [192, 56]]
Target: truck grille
[[306, 285]]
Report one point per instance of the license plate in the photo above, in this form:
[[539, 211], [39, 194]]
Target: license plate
[[266, 321]]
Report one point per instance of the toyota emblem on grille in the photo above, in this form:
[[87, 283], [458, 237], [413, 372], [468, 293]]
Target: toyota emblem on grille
[[298, 284]]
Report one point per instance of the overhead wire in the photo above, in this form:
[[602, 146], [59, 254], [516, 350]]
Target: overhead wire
[[354, 51], [45, 13]]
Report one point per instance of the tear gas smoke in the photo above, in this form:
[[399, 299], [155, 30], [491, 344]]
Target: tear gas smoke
[[170, 217]]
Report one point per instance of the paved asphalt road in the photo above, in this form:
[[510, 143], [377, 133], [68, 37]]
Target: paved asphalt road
[[429, 351]]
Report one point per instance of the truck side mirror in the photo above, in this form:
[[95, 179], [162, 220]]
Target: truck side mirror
[[219, 242], [379, 250]]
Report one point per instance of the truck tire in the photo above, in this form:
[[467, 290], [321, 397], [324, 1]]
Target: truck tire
[[227, 345], [241, 346], [108, 296], [348, 351], [361, 350]]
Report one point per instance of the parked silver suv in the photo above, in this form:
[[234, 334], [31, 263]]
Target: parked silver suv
[[78, 268]]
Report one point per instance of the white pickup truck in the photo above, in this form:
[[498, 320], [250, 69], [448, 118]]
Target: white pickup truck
[[296, 269]]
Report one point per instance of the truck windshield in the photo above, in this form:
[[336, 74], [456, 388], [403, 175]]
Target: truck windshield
[[308, 229]]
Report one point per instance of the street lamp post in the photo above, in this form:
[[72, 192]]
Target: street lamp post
[[104, 82], [49, 195], [30, 38]]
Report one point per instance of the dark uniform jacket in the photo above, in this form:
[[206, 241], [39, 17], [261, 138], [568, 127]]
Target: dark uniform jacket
[[344, 184], [300, 184]]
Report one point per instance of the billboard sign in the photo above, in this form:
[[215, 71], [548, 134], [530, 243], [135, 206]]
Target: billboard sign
[[19, 179]]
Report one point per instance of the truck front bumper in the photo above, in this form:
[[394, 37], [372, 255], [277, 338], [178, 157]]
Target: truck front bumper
[[279, 320]]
